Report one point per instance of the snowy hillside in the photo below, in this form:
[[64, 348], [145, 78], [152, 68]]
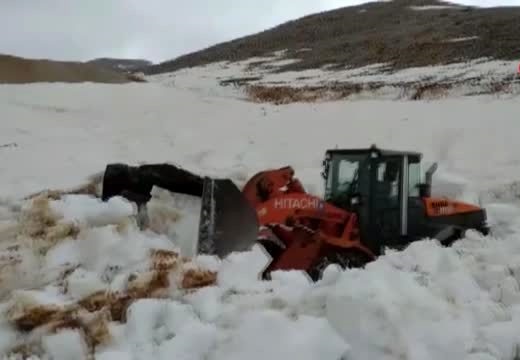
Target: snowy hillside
[[263, 79], [400, 34], [78, 279]]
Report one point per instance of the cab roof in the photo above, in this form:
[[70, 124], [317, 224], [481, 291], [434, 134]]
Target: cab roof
[[382, 152]]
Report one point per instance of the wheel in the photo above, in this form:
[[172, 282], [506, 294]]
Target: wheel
[[345, 259], [273, 249], [450, 235]]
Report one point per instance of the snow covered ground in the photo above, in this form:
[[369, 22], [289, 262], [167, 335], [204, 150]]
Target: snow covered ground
[[376, 81], [69, 265]]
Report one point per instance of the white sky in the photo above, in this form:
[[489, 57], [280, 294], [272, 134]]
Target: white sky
[[154, 29]]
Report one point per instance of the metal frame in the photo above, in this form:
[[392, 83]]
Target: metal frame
[[404, 195]]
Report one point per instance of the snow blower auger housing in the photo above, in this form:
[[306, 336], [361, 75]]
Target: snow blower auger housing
[[374, 199]]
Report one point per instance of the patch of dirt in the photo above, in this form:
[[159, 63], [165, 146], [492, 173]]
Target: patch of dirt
[[285, 94], [280, 95]]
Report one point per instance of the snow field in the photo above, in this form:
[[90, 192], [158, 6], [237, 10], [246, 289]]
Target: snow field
[[426, 302]]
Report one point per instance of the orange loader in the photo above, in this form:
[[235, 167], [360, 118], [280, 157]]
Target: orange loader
[[374, 199]]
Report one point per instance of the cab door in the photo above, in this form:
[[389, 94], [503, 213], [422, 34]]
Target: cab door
[[386, 206]]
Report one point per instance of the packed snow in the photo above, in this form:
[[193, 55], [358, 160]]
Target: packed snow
[[62, 255]]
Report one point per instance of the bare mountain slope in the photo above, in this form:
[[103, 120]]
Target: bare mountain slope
[[403, 33], [17, 70]]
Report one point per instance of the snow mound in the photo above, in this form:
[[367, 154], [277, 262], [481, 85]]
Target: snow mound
[[79, 263], [110, 290]]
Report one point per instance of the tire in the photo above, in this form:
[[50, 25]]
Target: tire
[[273, 250], [345, 259]]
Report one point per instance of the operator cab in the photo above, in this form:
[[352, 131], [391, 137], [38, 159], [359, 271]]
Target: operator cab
[[382, 186]]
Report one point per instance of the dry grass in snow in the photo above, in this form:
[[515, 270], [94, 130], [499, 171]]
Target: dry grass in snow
[[63, 294]]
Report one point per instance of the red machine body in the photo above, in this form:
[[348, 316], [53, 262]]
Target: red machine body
[[374, 199], [298, 228], [304, 232]]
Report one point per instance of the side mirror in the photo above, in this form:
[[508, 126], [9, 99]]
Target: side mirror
[[325, 168], [323, 175]]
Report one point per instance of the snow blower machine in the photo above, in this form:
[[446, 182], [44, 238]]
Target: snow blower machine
[[374, 199]]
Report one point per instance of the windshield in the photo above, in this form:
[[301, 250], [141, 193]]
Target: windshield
[[342, 175]]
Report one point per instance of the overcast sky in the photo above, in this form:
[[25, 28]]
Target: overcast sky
[[153, 29]]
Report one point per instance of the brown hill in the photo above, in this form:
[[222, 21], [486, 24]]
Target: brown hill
[[17, 70], [403, 33]]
